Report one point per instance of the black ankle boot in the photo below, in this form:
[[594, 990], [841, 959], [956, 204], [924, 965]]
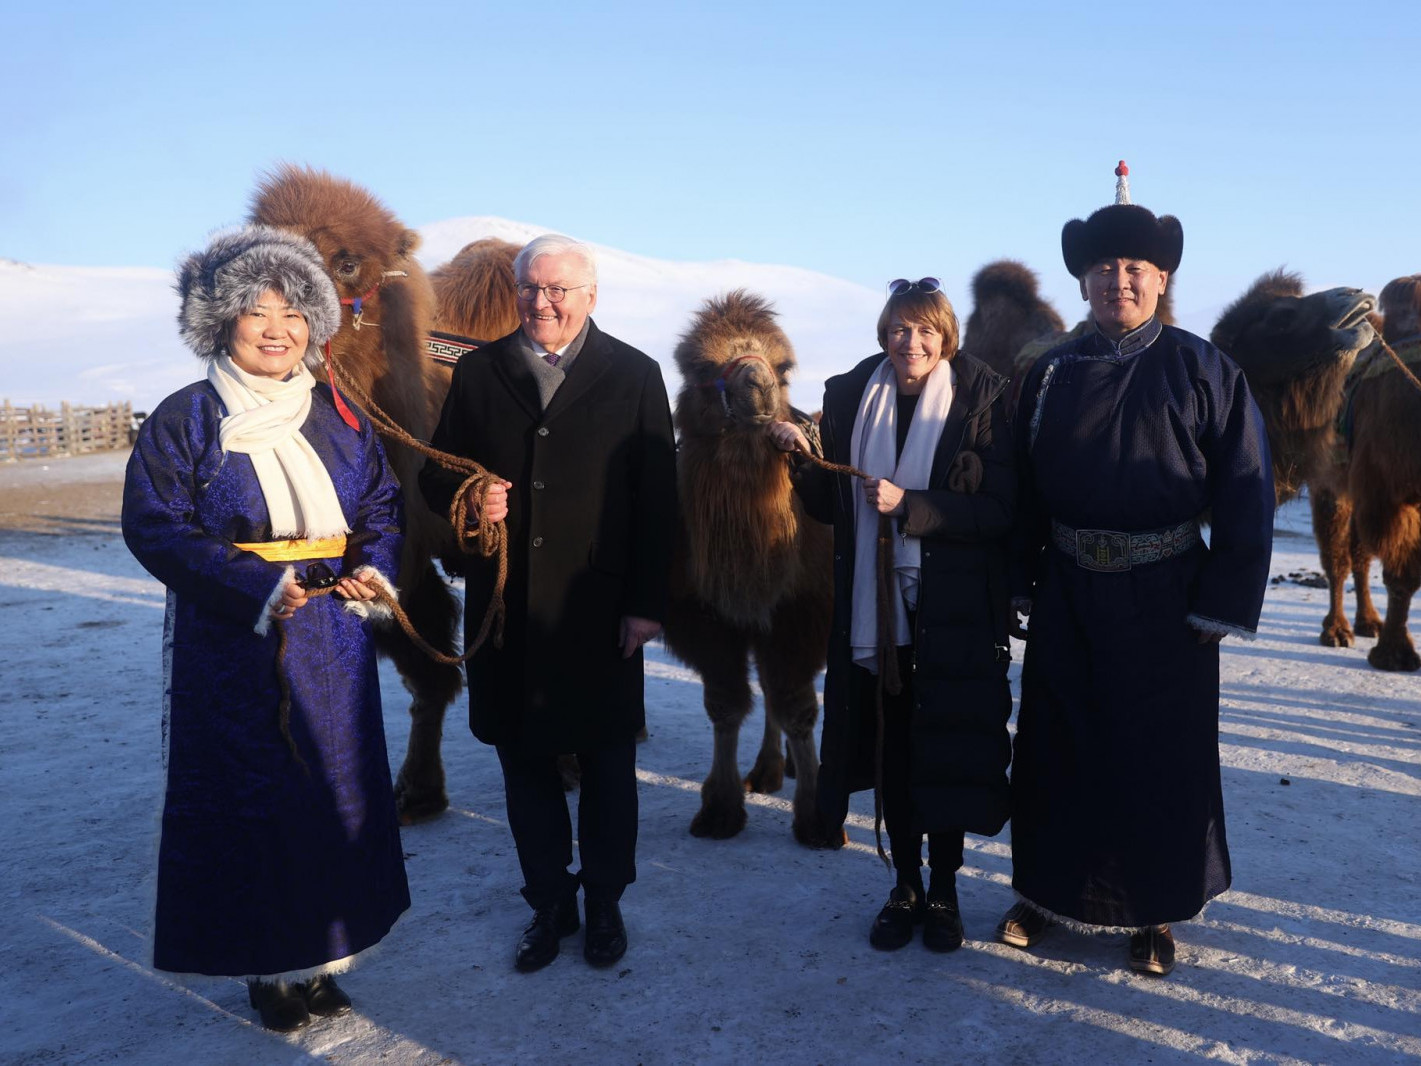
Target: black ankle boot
[[324, 997], [281, 1005], [942, 921]]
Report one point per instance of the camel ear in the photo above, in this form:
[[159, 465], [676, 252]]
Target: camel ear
[[409, 241]]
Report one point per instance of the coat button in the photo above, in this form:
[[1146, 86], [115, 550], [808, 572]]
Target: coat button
[[542, 431], [537, 542], [537, 484]]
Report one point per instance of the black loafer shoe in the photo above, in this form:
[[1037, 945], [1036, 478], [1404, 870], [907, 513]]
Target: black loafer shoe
[[942, 922], [281, 1006], [539, 944], [1152, 951], [894, 925], [606, 934], [1022, 926], [324, 998]]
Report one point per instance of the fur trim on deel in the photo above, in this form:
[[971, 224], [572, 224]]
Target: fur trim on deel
[[373, 610], [1122, 231], [229, 276]]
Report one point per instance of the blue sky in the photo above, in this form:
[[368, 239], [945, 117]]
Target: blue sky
[[865, 141]]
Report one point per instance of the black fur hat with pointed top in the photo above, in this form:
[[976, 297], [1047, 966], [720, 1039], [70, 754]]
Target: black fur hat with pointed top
[[1122, 230]]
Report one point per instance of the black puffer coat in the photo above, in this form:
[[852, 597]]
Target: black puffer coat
[[961, 749]]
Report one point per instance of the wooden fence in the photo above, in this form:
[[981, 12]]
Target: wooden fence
[[37, 432]]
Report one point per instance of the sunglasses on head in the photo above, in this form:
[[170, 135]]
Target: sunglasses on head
[[901, 286]]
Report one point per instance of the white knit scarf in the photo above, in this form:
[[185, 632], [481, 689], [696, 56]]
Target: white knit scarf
[[263, 420], [874, 451]]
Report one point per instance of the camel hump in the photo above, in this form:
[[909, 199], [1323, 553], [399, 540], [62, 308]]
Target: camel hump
[[1400, 304], [476, 291], [1007, 279]]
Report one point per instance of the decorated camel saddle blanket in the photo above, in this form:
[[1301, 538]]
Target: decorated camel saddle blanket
[[447, 348]]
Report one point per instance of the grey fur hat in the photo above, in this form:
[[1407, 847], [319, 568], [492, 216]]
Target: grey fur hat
[[230, 275]]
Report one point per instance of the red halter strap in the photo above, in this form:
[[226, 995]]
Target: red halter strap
[[729, 368], [346, 415]]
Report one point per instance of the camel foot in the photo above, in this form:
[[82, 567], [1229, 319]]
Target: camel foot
[[570, 772], [718, 823], [417, 804], [1337, 637], [1397, 658], [814, 832], [767, 775], [1367, 627]]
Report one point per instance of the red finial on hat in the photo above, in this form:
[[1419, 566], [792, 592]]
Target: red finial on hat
[[1122, 183]]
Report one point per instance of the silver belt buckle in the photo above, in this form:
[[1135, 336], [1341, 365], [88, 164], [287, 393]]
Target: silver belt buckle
[[1106, 550]]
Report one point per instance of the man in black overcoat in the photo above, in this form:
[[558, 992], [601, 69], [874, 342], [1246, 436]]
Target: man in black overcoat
[[579, 426]]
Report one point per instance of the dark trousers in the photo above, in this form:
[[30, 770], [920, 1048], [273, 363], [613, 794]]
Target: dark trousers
[[900, 816], [542, 828]]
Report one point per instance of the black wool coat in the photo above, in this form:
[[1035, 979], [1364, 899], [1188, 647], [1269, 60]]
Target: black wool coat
[[592, 514], [960, 744]]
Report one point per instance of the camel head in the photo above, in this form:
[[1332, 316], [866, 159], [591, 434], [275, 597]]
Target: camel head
[[360, 239], [1401, 308], [735, 361], [1278, 336]]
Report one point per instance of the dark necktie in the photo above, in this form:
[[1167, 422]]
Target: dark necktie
[[552, 358]]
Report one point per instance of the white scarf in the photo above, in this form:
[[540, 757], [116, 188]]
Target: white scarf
[[263, 420], [873, 450]]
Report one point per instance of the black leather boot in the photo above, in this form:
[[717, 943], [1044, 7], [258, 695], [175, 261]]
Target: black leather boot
[[281, 1005], [606, 933], [324, 997], [539, 944]]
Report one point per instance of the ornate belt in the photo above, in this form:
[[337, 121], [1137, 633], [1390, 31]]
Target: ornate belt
[[1112, 550], [286, 551]]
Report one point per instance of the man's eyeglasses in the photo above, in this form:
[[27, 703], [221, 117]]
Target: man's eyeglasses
[[902, 286], [555, 293]]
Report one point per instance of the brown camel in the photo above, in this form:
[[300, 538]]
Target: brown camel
[[1384, 472], [381, 346], [752, 577], [1297, 352]]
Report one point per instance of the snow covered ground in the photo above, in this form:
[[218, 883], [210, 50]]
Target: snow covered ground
[[748, 950]]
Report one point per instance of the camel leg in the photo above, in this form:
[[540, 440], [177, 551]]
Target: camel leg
[[1395, 650], [727, 700], [419, 786], [1367, 623], [791, 702], [1331, 526], [768, 773]]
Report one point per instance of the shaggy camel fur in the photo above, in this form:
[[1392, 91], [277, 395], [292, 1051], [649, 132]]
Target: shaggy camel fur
[[475, 293], [1384, 472], [369, 254], [1297, 352], [1007, 312], [753, 574]]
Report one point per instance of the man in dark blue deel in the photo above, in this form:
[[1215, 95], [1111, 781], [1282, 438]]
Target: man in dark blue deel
[[1128, 437]]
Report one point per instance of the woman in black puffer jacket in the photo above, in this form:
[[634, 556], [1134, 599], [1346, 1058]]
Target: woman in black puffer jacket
[[930, 424]]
